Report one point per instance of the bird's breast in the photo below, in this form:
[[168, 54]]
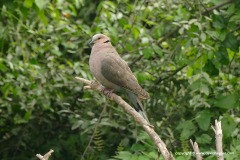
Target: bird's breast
[[95, 62]]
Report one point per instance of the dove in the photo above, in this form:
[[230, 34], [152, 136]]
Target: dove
[[113, 72]]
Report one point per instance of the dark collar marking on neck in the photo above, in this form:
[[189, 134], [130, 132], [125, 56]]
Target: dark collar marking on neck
[[107, 41]]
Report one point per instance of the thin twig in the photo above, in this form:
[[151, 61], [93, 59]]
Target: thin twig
[[168, 35], [131, 111], [216, 7], [172, 74], [196, 150], [218, 135], [136, 60]]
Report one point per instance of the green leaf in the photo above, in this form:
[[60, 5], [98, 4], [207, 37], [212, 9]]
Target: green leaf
[[43, 18], [207, 78], [203, 36], [204, 139], [28, 3], [157, 50], [218, 34], [27, 115], [187, 128], [204, 89], [124, 155], [56, 51], [219, 21], [231, 54], [226, 101], [77, 124], [211, 69], [18, 119], [141, 157], [189, 71], [231, 42], [6, 89], [3, 67], [135, 32], [235, 18], [41, 4], [152, 154], [231, 9], [142, 136], [141, 76], [203, 119], [228, 126], [137, 147], [222, 56], [200, 85], [148, 52]]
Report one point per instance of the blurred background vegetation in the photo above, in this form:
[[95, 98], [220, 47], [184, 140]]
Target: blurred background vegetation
[[184, 53]]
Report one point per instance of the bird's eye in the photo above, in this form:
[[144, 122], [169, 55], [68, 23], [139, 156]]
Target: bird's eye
[[99, 38]]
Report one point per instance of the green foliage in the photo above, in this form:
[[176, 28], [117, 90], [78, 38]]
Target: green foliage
[[203, 119], [184, 54], [188, 129], [142, 150]]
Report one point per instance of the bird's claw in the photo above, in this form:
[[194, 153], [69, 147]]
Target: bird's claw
[[107, 92], [94, 83]]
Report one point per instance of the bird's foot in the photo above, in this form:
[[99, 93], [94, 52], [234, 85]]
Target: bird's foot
[[95, 83], [107, 92]]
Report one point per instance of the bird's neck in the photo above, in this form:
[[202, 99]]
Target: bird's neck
[[100, 46]]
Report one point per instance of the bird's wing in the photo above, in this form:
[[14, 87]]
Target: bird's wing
[[116, 70]]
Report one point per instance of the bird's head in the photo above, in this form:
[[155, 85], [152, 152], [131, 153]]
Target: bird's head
[[99, 38]]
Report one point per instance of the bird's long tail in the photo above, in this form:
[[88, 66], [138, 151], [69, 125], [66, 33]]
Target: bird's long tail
[[137, 105]]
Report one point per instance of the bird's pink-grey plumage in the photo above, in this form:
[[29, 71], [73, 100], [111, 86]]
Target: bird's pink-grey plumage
[[113, 72]]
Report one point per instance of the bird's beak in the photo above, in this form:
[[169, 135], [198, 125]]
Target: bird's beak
[[91, 43]]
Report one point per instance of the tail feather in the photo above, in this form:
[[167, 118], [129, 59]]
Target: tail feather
[[137, 105], [141, 109]]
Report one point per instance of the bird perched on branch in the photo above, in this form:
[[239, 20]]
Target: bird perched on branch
[[113, 72]]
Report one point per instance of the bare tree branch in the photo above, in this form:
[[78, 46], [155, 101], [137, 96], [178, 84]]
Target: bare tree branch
[[172, 74], [131, 111], [136, 60], [46, 156], [218, 135], [216, 7], [196, 150]]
